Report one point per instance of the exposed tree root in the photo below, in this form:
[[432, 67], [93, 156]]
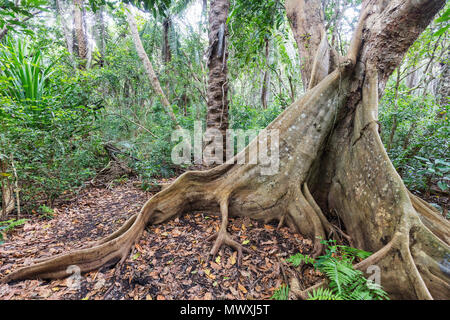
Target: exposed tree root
[[431, 218], [222, 237]]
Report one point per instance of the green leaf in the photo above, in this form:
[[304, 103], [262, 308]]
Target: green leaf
[[137, 255]]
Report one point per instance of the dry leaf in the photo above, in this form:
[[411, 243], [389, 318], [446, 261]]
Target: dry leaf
[[232, 259], [242, 288]]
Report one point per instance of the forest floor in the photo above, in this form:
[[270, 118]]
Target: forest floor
[[167, 263]]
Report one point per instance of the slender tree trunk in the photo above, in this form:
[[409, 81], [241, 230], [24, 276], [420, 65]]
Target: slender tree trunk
[[101, 33], [89, 44], [205, 10], [292, 89], [265, 87], [217, 94], [307, 23], [443, 88], [148, 66]]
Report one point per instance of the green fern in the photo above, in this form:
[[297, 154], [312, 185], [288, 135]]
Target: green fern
[[298, 258]]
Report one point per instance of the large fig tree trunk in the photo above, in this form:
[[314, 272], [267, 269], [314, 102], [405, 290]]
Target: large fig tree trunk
[[332, 164]]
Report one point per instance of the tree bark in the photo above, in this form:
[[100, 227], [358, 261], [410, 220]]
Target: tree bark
[[217, 93], [443, 88], [148, 66], [80, 35], [332, 165], [394, 116], [101, 33], [357, 180], [166, 50]]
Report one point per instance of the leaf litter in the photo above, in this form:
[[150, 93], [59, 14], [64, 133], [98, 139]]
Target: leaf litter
[[169, 261]]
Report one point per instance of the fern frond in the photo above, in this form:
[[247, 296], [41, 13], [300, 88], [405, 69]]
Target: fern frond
[[282, 293]]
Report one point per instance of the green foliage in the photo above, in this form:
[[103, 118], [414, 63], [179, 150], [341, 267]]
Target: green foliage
[[25, 71], [324, 294], [435, 169], [282, 293], [13, 16], [344, 282], [156, 7], [255, 22], [47, 125], [247, 117], [444, 19]]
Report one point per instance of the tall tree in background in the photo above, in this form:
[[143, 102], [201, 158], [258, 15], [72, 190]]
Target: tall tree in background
[[166, 49], [443, 87], [265, 87], [100, 32], [217, 94], [7, 191], [154, 81], [60, 10], [307, 23], [332, 166]]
